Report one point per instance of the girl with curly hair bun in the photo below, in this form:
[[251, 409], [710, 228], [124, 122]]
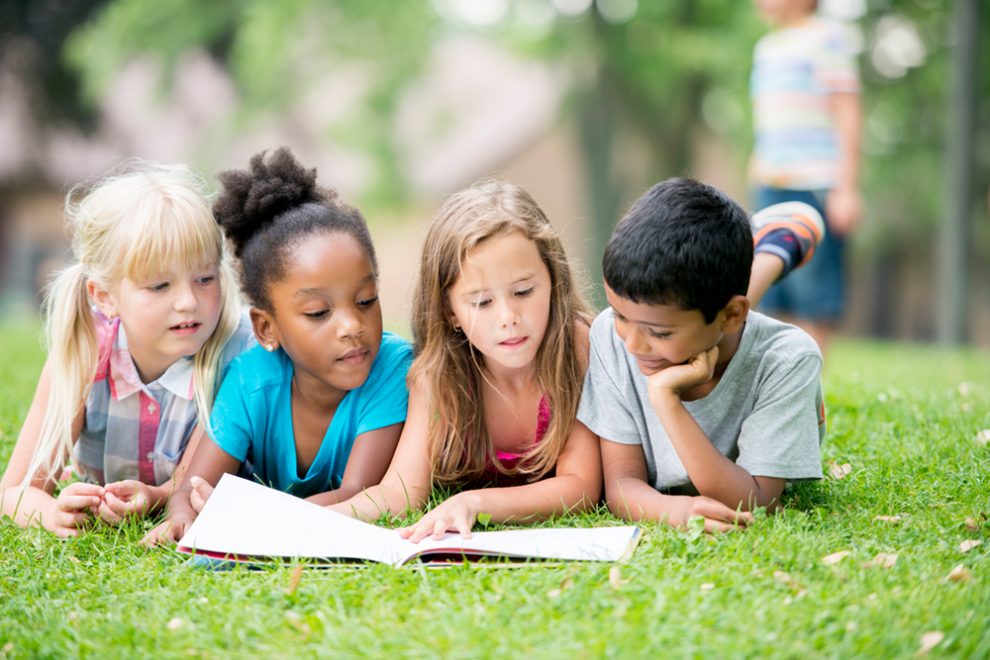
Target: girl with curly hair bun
[[317, 408]]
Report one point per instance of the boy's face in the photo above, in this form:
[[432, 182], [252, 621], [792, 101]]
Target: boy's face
[[782, 12], [661, 336]]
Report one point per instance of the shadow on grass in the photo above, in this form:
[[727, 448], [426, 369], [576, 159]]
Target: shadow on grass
[[809, 495]]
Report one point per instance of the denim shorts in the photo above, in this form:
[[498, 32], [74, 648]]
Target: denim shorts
[[816, 290]]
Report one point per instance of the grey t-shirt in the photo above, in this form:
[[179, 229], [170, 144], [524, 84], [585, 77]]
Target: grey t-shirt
[[766, 413]]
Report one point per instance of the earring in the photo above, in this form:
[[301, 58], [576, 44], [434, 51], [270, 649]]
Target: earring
[[270, 347]]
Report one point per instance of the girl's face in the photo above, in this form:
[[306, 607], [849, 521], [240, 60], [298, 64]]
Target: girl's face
[[326, 313], [167, 315], [502, 300]]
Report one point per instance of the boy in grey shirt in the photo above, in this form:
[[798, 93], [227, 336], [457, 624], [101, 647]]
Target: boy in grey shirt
[[704, 407]]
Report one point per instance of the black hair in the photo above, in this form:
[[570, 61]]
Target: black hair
[[269, 208], [684, 243]]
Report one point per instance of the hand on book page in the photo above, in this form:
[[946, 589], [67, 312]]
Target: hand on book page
[[247, 521], [455, 514]]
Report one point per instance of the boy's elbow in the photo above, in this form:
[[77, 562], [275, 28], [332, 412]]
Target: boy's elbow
[[622, 508], [754, 500], [770, 503]]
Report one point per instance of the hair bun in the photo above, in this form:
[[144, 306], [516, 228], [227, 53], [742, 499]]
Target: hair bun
[[252, 199]]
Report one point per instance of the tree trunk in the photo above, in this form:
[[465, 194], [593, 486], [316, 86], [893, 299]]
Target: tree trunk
[[956, 230]]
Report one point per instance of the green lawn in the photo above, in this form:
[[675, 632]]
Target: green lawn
[[906, 419]]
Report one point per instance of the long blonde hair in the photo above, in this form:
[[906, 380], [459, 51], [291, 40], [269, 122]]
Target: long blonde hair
[[448, 365], [128, 225]]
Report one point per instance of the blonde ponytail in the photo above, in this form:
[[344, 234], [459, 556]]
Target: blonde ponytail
[[128, 225], [207, 362], [72, 357]]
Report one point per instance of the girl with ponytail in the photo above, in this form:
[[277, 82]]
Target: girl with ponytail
[[138, 331]]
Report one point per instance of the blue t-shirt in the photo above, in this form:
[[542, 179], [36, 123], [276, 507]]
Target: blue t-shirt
[[252, 416]]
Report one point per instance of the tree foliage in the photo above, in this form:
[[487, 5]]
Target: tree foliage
[[671, 69]]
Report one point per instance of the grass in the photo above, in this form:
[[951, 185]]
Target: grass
[[905, 418]]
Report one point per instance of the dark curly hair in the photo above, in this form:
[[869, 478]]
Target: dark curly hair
[[266, 210], [684, 243]]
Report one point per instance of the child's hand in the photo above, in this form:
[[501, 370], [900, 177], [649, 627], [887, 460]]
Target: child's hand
[[73, 506], [169, 531], [844, 210], [697, 370], [125, 498], [457, 514], [717, 516], [201, 492]]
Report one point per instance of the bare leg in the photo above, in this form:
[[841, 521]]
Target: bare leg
[[786, 235], [767, 268]]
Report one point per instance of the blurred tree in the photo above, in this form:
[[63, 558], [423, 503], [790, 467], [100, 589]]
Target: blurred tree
[[954, 261], [31, 36], [908, 69], [654, 70], [34, 75], [664, 69], [667, 69], [275, 51]]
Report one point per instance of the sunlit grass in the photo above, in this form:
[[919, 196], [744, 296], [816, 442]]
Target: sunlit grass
[[904, 418]]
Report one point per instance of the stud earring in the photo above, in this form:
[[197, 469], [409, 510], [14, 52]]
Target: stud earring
[[269, 347]]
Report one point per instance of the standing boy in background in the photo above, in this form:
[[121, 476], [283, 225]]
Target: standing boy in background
[[807, 118]]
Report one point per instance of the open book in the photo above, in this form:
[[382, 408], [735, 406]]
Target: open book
[[245, 521]]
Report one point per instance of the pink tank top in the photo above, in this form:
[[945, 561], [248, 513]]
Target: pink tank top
[[543, 415]]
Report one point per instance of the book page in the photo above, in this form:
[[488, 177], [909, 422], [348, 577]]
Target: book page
[[249, 520], [246, 520], [580, 544]]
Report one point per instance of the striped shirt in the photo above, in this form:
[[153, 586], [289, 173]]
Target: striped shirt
[[136, 430], [795, 70]]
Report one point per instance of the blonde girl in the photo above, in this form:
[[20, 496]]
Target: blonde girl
[[137, 330], [501, 340]]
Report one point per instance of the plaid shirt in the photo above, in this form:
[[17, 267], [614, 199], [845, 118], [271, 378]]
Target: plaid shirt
[[136, 430]]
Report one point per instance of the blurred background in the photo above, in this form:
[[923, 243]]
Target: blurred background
[[585, 103]]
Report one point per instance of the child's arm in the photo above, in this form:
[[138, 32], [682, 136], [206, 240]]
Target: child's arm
[[208, 463], [575, 486], [712, 473], [34, 504], [370, 457], [630, 496], [407, 482], [778, 439], [844, 205]]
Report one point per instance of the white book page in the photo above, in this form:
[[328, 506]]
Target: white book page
[[586, 543], [245, 518]]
